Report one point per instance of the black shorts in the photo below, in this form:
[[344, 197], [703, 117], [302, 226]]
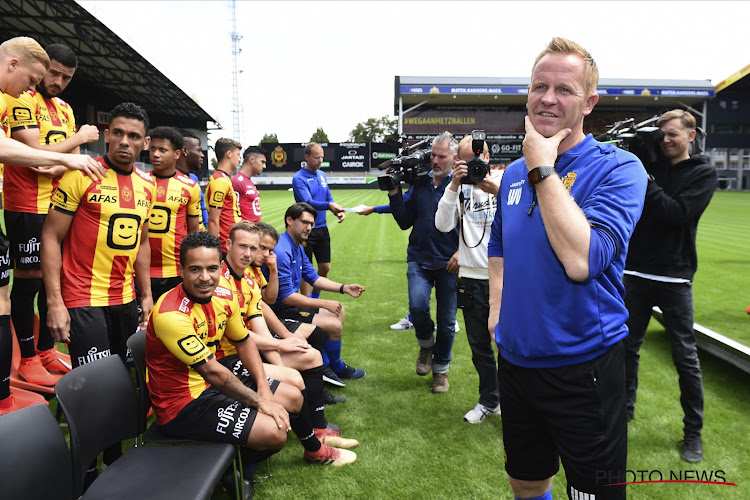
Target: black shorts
[[295, 313], [319, 244], [216, 417], [25, 235], [573, 413], [160, 286], [4, 260], [98, 332], [315, 339]]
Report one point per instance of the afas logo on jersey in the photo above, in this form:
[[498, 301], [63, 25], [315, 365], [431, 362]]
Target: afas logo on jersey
[[222, 292], [101, 198], [278, 157]]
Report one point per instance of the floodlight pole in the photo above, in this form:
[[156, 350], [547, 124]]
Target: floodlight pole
[[236, 50]]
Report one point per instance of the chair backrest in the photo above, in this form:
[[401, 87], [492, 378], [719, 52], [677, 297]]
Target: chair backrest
[[35, 461], [101, 407], [137, 345]]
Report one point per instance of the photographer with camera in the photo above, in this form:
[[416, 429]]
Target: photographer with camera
[[662, 261], [430, 261], [469, 203]]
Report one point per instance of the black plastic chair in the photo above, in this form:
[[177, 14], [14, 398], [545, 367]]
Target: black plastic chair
[[101, 407], [35, 461], [149, 434]]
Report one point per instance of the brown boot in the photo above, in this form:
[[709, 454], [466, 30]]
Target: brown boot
[[440, 383]]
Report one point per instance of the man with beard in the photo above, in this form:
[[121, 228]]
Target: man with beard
[[23, 63], [431, 262], [39, 119]]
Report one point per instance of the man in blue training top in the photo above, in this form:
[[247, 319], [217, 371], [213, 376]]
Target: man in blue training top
[[293, 266], [565, 214], [311, 186]]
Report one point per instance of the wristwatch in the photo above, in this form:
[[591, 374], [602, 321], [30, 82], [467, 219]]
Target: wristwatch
[[536, 175]]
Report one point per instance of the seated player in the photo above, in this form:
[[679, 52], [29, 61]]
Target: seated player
[[286, 355], [197, 397], [329, 315], [287, 328]]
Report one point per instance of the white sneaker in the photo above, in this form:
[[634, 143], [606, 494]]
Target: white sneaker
[[403, 324], [457, 328], [479, 413]]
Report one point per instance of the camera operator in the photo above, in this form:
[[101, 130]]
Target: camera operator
[[661, 263], [430, 262], [472, 207]]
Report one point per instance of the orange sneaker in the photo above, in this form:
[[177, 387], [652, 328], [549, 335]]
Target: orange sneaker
[[33, 372], [18, 399], [331, 438], [328, 455], [54, 360]]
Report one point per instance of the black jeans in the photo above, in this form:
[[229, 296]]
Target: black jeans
[[476, 314], [676, 302]]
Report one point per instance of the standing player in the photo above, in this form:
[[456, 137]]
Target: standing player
[[174, 212], [223, 209], [39, 119], [253, 163], [190, 162], [23, 64], [311, 186], [103, 229]]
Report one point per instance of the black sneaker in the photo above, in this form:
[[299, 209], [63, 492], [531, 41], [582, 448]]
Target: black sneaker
[[332, 399], [692, 449], [227, 481], [350, 372], [330, 377]]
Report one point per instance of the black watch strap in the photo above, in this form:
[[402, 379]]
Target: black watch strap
[[536, 175]]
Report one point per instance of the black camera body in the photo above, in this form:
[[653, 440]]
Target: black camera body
[[411, 166], [478, 168], [641, 139]]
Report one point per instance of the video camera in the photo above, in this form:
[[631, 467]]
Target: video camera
[[478, 168], [411, 166], [643, 139]]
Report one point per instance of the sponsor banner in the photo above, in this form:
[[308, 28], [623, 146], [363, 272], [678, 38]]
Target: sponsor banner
[[464, 90], [278, 180], [346, 156], [462, 120], [517, 90], [347, 180], [275, 180]]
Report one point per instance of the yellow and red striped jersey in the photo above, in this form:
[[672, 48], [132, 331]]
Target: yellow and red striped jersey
[[247, 293], [25, 190], [220, 194], [104, 236], [4, 125], [177, 198], [181, 335]]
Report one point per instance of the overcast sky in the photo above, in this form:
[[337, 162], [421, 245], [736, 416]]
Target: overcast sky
[[332, 64]]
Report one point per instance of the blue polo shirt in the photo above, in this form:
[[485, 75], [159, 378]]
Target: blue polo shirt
[[293, 266]]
